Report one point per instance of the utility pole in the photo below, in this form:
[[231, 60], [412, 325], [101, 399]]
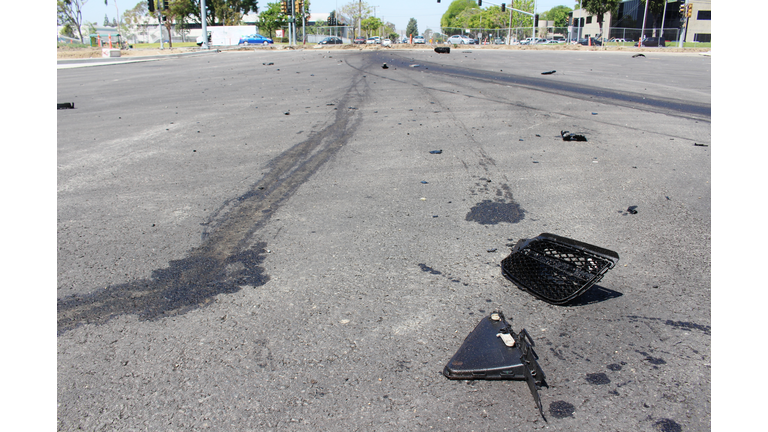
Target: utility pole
[[205, 27], [642, 32], [578, 27]]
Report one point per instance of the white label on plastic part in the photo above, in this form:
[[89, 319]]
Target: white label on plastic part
[[507, 339]]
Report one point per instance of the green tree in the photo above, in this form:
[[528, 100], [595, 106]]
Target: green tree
[[412, 29], [271, 19], [600, 8], [132, 18], [558, 14], [67, 31], [357, 11], [71, 12], [106, 20], [371, 25], [454, 9], [221, 12]]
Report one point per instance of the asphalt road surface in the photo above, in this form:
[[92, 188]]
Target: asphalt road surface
[[264, 240]]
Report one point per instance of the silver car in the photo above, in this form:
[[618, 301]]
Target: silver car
[[458, 40]]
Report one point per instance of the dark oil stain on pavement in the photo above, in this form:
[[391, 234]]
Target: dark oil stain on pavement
[[428, 269], [497, 210], [228, 258], [680, 325], [667, 425], [561, 409], [598, 379]]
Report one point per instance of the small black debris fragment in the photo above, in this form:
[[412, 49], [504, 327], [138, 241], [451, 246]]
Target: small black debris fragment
[[287, 113], [548, 72], [567, 136], [436, 151], [632, 210], [638, 55], [594, 113], [443, 50], [491, 250], [268, 64], [384, 66], [330, 104], [65, 105], [700, 145], [424, 182], [434, 216]]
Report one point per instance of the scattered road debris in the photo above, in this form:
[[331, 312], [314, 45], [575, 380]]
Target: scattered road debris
[[638, 55], [556, 269], [415, 65], [443, 50], [268, 64], [493, 351], [567, 136], [548, 72], [696, 144], [384, 66], [594, 113], [632, 210], [492, 250], [65, 105], [436, 151]]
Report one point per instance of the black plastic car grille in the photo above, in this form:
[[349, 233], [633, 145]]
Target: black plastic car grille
[[556, 269]]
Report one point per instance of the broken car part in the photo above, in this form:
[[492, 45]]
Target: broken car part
[[567, 136], [443, 50], [556, 269], [548, 72], [65, 105], [493, 351]]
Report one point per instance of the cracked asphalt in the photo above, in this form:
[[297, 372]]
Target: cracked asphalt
[[245, 246]]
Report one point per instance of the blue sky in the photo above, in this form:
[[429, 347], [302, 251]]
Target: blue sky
[[426, 12]]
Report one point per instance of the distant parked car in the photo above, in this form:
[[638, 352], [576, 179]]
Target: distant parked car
[[254, 39], [498, 41], [419, 40], [618, 40], [653, 42], [373, 40], [458, 40], [359, 41], [386, 42], [590, 41], [333, 40]]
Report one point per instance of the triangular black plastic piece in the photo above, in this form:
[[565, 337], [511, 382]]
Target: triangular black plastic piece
[[485, 355]]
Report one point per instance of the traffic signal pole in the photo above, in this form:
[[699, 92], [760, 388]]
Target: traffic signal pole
[[205, 27]]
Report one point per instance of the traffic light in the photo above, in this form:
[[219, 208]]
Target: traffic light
[[682, 9], [689, 11], [165, 4], [438, 1], [151, 5], [479, 2], [282, 7], [299, 4], [536, 20], [503, 7]]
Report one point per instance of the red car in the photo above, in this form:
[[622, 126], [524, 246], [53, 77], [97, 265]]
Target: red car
[[359, 41]]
